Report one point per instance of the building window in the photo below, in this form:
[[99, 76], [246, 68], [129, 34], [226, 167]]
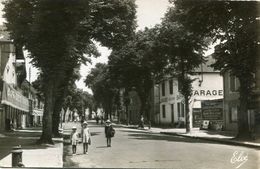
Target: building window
[[233, 114], [163, 111], [180, 108], [234, 83], [171, 86], [163, 89], [172, 112]]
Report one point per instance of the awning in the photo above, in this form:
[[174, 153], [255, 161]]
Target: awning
[[14, 98]]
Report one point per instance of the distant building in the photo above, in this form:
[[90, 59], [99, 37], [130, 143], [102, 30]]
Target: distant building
[[134, 108], [208, 85], [36, 104]]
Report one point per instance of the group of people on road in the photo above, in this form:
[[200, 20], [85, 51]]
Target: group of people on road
[[86, 136]]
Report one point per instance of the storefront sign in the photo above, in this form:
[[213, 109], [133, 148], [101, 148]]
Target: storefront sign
[[14, 98], [208, 92], [212, 109], [197, 117], [166, 99]]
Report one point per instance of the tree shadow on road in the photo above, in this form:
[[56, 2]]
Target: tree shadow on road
[[95, 133], [102, 147], [141, 135], [67, 162], [27, 140]]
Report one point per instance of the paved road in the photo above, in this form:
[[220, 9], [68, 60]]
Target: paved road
[[133, 148]]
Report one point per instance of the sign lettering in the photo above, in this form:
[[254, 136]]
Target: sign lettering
[[208, 92]]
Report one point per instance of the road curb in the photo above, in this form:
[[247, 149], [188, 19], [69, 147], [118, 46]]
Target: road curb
[[228, 142], [221, 141]]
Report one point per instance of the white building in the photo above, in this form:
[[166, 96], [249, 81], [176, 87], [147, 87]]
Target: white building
[[208, 85], [14, 107]]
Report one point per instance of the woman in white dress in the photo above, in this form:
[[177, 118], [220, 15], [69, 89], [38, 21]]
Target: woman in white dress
[[85, 137]]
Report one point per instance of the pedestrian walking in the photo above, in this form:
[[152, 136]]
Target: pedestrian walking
[[86, 140], [74, 137], [109, 132], [102, 119], [141, 122]]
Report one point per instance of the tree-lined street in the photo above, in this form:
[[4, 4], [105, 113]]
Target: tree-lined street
[[150, 80], [132, 148]]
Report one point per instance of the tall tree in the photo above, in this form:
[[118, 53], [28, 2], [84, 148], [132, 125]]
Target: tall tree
[[58, 33], [236, 25], [136, 65], [104, 89], [183, 50]]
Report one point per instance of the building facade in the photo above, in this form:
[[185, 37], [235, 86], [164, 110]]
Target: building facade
[[14, 105], [231, 101], [207, 85]]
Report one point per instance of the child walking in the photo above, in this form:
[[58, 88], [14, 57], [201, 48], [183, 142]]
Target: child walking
[[74, 140]]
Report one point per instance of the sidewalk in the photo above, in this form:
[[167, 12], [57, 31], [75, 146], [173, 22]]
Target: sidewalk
[[33, 155], [223, 137]]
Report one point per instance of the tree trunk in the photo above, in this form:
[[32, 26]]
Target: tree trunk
[[145, 107], [55, 124], [127, 113], [110, 108], [186, 92], [243, 126], [90, 113], [142, 108], [118, 114], [148, 106], [187, 111], [64, 115], [46, 136], [110, 114], [56, 119]]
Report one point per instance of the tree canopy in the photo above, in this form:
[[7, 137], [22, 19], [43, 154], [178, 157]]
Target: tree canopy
[[58, 34]]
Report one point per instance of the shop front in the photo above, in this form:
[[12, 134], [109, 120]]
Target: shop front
[[14, 108]]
